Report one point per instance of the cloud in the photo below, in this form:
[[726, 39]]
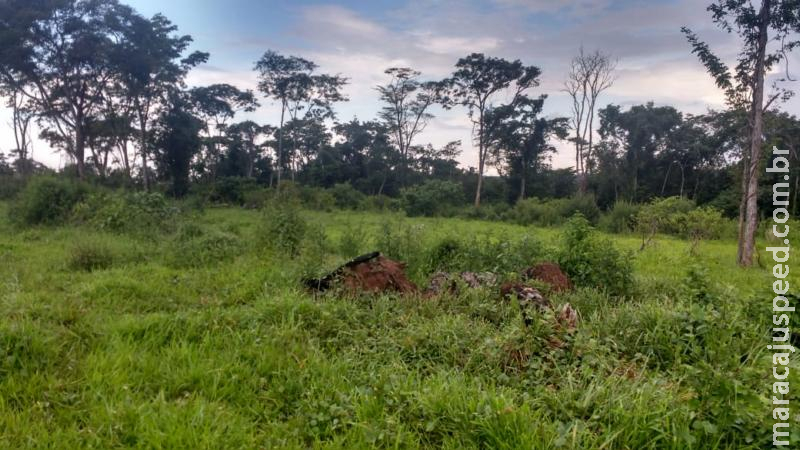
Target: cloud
[[360, 42]]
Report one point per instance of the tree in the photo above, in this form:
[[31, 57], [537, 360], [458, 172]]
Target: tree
[[639, 135], [243, 136], [774, 20], [477, 84], [177, 141], [215, 105], [151, 69], [524, 140], [22, 115], [406, 112], [589, 75], [61, 56], [292, 81]]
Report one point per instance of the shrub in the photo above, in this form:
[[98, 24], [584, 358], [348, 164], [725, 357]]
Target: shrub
[[127, 212], [351, 241], [701, 224], [231, 190], [89, 256], [434, 197], [283, 229], [380, 203], [46, 201], [662, 216], [346, 196], [621, 218], [256, 198], [534, 211], [593, 261], [315, 198]]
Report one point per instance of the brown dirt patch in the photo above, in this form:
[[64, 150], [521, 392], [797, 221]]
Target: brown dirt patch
[[371, 273], [550, 274]]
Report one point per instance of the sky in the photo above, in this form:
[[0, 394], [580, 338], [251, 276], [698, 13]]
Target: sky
[[360, 39]]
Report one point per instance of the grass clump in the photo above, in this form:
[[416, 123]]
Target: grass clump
[[90, 255]]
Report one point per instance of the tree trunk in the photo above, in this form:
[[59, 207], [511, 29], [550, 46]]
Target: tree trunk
[[481, 160], [143, 151], [280, 144], [748, 236], [80, 148]]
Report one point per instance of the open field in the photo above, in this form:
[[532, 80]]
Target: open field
[[210, 342]]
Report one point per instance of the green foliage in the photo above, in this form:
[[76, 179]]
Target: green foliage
[[533, 211], [46, 201], [231, 190], [664, 215], [702, 224], [621, 218], [346, 196], [435, 197], [283, 229], [591, 260], [127, 212]]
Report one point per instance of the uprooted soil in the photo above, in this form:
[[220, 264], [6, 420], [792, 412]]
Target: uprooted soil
[[443, 282], [371, 273], [550, 274]]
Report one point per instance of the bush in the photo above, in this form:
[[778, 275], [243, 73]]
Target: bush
[[89, 256], [283, 229], [256, 198], [662, 216], [231, 190], [346, 196], [534, 211], [701, 224], [621, 218], [593, 261], [315, 198], [434, 197], [127, 212], [380, 203], [46, 201]]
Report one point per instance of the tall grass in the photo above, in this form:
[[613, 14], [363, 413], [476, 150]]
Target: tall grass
[[229, 352]]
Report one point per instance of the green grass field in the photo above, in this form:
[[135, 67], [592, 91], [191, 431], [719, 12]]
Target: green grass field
[[213, 344]]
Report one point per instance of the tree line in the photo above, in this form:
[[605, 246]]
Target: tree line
[[107, 87]]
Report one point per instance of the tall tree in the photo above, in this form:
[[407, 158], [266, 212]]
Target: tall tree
[[152, 68], [590, 74], [773, 20], [477, 84], [215, 105], [525, 140], [292, 81], [245, 136], [177, 141], [406, 113], [61, 56]]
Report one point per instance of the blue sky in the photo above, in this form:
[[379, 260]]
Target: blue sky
[[360, 39]]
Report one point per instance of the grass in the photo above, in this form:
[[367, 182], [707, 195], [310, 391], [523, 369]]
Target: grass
[[203, 339]]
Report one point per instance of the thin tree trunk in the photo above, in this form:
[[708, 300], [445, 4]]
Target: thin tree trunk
[[749, 230], [280, 144]]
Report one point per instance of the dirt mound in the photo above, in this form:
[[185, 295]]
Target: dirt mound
[[368, 273], [551, 274], [443, 282]]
